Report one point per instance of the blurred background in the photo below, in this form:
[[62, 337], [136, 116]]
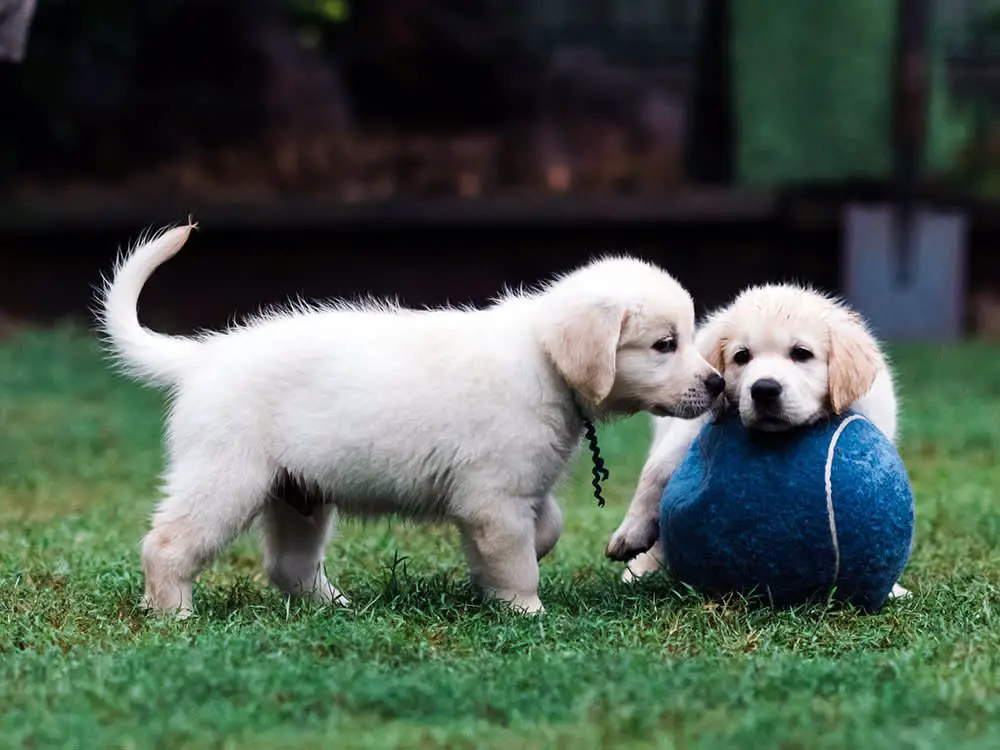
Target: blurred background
[[438, 149]]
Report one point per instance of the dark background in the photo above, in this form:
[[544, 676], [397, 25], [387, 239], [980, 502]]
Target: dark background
[[416, 148]]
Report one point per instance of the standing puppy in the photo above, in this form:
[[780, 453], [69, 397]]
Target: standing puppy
[[790, 356], [468, 416]]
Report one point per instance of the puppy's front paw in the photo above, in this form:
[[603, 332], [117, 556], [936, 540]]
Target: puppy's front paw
[[632, 538]]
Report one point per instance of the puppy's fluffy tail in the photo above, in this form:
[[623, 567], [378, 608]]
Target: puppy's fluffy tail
[[147, 356]]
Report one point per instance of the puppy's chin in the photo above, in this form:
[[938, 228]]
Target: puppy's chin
[[681, 410], [777, 422], [766, 423]]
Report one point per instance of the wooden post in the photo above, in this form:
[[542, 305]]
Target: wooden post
[[710, 148], [911, 90]]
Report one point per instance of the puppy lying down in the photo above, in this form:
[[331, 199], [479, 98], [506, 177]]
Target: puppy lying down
[[459, 415], [789, 356]]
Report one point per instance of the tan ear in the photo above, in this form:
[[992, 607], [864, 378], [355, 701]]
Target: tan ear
[[854, 360], [710, 339], [583, 346]]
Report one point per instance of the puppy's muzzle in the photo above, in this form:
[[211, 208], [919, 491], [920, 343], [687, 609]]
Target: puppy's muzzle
[[766, 392], [697, 402]]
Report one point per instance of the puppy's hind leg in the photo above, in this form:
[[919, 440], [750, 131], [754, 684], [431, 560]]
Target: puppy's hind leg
[[295, 546], [208, 502], [548, 526], [500, 546]]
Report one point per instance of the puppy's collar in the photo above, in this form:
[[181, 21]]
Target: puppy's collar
[[590, 432]]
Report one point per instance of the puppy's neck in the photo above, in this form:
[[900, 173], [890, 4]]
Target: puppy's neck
[[581, 413]]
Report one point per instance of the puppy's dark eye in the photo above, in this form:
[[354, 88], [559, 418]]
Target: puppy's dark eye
[[741, 357], [800, 354], [665, 346]]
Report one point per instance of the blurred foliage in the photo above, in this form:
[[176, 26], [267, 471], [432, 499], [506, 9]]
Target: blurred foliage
[[977, 171], [815, 93], [316, 20], [335, 11], [983, 34], [103, 81], [80, 74], [68, 37]]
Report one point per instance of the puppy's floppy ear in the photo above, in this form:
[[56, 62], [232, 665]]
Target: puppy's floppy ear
[[582, 343], [854, 360], [711, 337]]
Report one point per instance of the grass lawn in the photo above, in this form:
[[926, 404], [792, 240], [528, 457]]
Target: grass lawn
[[419, 662]]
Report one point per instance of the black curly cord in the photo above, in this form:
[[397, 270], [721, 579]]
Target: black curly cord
[[598, 470]]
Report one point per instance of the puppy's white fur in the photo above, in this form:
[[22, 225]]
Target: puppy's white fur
[[469, 416], [750, 340]]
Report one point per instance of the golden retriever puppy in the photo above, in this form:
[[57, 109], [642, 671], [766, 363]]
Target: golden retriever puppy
[[458, 415], [790, 356]]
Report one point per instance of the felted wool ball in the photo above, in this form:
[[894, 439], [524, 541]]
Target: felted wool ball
[[815, 512]]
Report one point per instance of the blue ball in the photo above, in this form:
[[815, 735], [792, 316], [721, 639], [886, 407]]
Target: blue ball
[[816, 512]]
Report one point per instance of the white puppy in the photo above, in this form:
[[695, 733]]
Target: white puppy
[[469, 416], [790, 356]]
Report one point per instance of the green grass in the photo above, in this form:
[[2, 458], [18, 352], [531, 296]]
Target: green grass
[[420, 661]]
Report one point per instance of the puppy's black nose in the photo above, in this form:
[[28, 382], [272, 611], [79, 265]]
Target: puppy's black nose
[[765, 390], [715, 384]]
